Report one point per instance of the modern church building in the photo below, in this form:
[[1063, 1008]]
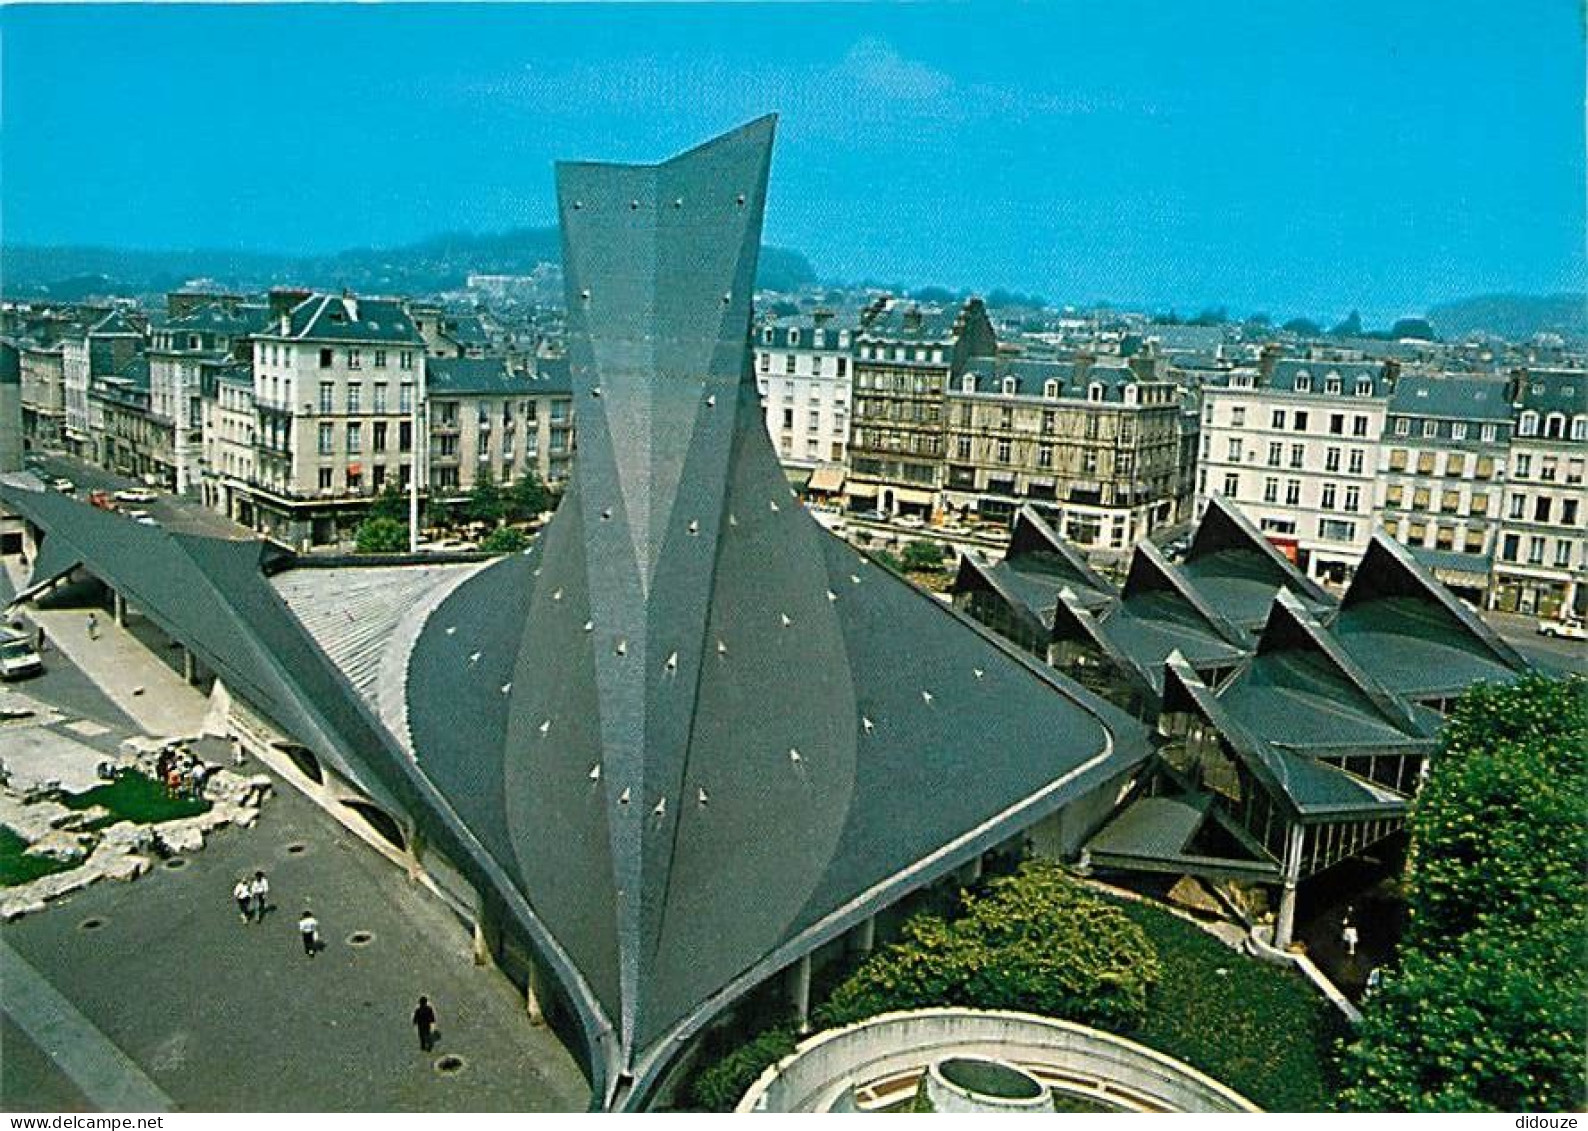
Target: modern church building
[[688, 739]]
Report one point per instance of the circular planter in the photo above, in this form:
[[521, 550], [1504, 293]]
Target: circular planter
[[983, 1085]]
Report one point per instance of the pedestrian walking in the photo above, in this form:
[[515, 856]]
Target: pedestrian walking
[[244, 896], [1349, 937], [93, 626], [425, 1022], [259, 888], [309, 929]]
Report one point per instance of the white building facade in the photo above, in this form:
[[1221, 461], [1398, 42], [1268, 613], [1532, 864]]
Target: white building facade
[[802, 370], [1296, 445]]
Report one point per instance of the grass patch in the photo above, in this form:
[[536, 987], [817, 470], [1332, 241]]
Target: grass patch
[[16, 867], [134, 797], [1262, 1030]]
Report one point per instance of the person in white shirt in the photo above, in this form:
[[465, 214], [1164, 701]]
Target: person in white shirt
[[244, 895], [259, 888], [309, 929]]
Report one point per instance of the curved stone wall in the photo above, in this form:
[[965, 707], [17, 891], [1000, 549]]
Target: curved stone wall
[[825, 1071]]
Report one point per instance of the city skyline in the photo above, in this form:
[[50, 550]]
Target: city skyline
[[1304, 163]]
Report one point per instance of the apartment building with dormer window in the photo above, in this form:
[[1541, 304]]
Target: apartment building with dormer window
[[1539, 564], [802, 372], [1295, 444], [338, 381]]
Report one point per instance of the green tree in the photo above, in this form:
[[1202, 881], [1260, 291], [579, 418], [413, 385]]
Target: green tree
[[720, 1087], [1303, 328], [504, 540], [1488, 1004], [1035, 941], [390, 503], [926, 557], [528, 496], [485, 499], [381, 536], [887, 559]]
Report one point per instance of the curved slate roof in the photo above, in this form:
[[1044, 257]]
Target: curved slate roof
[[694, 727], [689, 736]]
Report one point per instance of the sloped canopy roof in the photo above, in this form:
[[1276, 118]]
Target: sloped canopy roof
[[1414, 635], [1237, 570]]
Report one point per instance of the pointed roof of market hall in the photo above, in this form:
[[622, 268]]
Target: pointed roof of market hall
[[708, 725]]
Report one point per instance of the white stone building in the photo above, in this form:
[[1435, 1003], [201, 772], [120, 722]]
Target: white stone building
[[1295, 444], [802, 369]]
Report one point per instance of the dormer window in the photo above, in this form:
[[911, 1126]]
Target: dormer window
[[819, 338], [1364, 386], [843, 339], [793, 336], [1331, 383], [1555, 425], [1130, 394], [1009, 386], [1050, 389], [1094, 391], [937, 357], [1529, 424], [1579, 428], [1303, 381], [967, 383], [766, 335]]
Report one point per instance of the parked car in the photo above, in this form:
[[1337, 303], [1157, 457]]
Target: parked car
[[18, 656], [136, 495], [64, 486], [1563, 629]]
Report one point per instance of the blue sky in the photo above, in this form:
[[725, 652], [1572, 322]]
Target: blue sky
[[1306, 157]]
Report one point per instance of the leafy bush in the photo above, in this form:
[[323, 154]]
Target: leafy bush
[[381, 536], [1263, 1030], [925, 557], [1488, 1006], [1036, 942], [504, 540], [528, 497], [720, 1086], [485, 500], [390, 503], [1491, 1022]]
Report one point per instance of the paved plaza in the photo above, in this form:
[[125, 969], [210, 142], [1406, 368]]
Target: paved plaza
[[154, 994]]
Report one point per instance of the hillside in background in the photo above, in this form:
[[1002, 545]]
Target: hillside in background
[[437, 264], [1514, 317]]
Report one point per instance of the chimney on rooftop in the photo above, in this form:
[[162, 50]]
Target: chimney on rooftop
[[282, 301]]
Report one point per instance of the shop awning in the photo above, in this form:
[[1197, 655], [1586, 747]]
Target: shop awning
[[914, 498], [828, 480], [861, 490]]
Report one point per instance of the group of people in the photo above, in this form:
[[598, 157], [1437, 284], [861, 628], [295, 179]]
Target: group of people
[[252, 894], [182, 774]]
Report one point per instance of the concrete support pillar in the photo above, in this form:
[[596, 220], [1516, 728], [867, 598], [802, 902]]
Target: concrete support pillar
[[970, 871], [482, 950], [119, 607], [532, 1006], [187, 665], [863, 939], [1285, 924], [800, 992]]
